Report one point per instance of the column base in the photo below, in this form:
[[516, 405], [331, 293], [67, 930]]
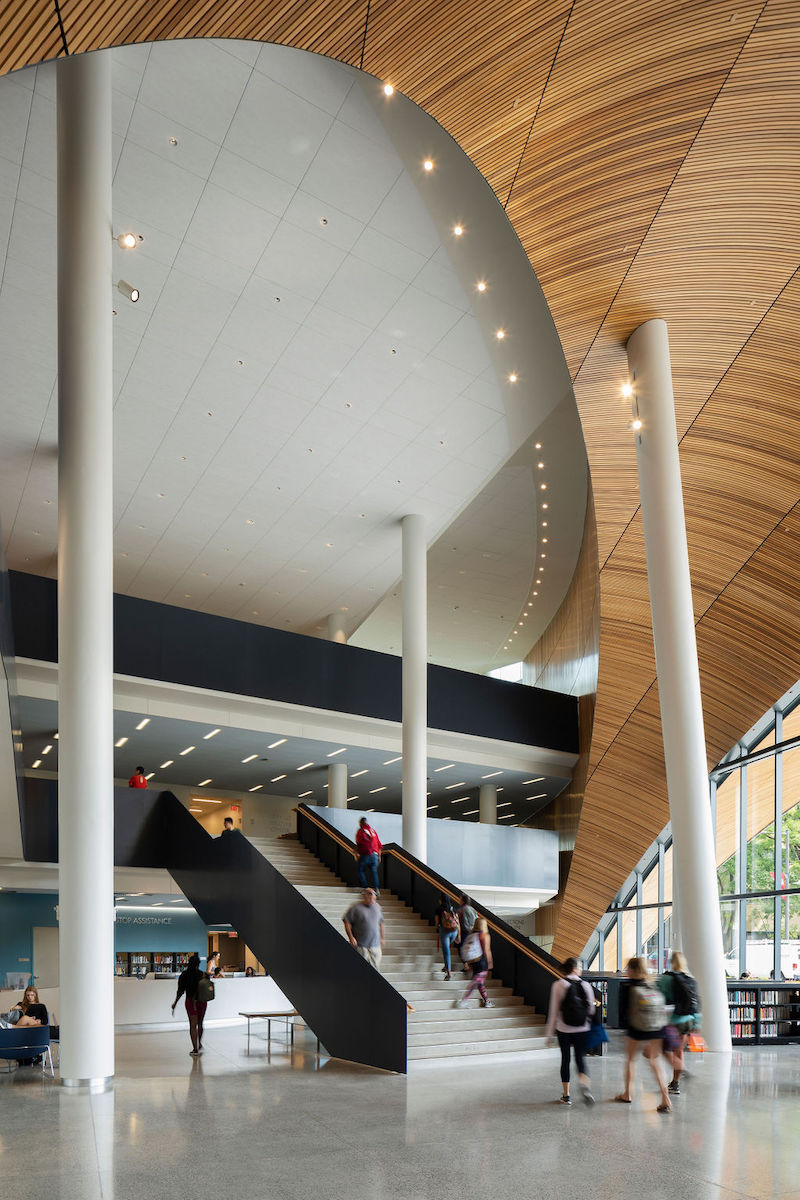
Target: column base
[[101, 1083]]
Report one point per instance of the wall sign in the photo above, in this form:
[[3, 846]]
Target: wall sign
[[144, 920]]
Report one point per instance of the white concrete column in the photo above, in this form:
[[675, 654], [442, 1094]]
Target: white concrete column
[[694, 863], [85, 572], [337, 785], [336, 628], [487, 804], [415, 686]]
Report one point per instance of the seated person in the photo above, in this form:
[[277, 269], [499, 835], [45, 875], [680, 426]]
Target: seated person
[[32, 1011]]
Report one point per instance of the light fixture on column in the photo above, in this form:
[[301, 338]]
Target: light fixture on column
[[128, 290], [126, 241], [627, 390], [388, 90]]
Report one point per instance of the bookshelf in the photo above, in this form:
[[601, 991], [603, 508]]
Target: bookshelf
[[146, 962], [764, 1011]]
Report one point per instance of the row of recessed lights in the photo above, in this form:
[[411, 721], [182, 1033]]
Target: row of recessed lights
[[540, 466], [458, 230]]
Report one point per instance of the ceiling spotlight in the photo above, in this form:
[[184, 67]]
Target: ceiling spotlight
[[126, 241], [388, 90], [428, 164], [538, 446], [627, 390], [128, 290], [480, 286], [545, 506], [543, 487], [636, 424], [500, 334], [512, 378], [458, 230]]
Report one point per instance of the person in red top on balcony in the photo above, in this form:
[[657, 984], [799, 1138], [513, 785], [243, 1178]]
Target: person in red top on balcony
[[138, 780], [369, 854]]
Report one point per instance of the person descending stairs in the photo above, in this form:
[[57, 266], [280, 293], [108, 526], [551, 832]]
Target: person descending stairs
[[435, 1028]]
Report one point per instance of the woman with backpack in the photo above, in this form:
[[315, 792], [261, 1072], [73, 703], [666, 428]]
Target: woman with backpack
[[476, 950], [680, 991], [572, 1007], [189, 985], [447, 930], [644, 1014]]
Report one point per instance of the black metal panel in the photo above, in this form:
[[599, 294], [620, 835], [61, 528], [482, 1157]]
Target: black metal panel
[[420, 887], [39, 808], [352, 1009], [179, 645]]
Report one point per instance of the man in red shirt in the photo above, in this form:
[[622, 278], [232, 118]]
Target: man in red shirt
[[138, 780], [369, 853]]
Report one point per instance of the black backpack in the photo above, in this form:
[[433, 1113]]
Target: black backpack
[[685, 995], [575, 1006]]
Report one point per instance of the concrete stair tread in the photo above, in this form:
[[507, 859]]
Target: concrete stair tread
[[490, 1033], [474, 1048]]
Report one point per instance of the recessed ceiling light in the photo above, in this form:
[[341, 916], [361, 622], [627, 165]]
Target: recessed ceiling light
[[372, 791], [203, 782], [627, 391], [308, 764], [388, 90], [120, 742], [540, 796], [249, 758], [428, 164], [356, 774], [47, 748], [538, 779], [276, 778], [505, 804], [506, 817], [302, 795], [542, 487], [144, 721], [544, 524], [213, 733], [545, 541], [279, 742], [460, 800], [445, 768], [491, 775], [349, 798], [500, 334], [545, 506], [449, 787], [512, 378], [38, 763], [195, 810], [168, 763], [469, 812], [126, 241], [392, 760], [480, 286], [257, 788], [536, 593], [55, 737], [458, 230], [636, 423], [537, 445], [188, 750], [333, 753], [173, 141], [542, 556]]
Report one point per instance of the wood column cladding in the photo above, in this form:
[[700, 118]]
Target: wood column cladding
[[647, 155]]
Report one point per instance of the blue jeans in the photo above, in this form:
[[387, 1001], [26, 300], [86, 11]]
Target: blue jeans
[[446, 938], [368, 861]]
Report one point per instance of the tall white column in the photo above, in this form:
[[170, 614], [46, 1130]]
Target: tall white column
[[85, 574], [336, 628], [487, 804], [694, 862], [415, 686], [337, 785]]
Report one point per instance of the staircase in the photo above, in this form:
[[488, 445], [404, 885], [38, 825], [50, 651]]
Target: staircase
[[412, 964]]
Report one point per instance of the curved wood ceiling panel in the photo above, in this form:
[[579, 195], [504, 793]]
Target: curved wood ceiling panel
[[653, 151]]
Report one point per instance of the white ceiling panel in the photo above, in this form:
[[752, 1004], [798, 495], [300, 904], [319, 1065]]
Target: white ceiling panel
[[309, 359], [196, 83]]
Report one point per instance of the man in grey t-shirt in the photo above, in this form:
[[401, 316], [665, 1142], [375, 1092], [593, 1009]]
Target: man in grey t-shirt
[[363, 924]]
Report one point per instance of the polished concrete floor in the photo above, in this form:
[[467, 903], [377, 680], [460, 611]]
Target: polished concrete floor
[[290, 1127]]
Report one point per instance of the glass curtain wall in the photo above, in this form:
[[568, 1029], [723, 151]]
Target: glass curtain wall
[[755, 801]]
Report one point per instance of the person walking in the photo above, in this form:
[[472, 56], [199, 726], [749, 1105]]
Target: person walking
[[680, 991], [644, 1015], [467, 916], [188, 983], [369, 854], [447, 930], [477, 951], [569, 1018], [363, 924]]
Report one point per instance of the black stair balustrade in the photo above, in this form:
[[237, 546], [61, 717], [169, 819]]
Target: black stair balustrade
[[519, 963]]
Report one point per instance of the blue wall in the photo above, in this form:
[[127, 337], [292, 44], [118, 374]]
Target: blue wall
[[20, 912]]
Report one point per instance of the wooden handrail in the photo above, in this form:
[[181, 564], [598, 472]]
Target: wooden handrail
[[525, 947]]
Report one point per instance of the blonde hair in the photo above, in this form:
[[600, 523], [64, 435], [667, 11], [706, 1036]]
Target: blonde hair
[[481, 925], [678, 962], [636, 968]]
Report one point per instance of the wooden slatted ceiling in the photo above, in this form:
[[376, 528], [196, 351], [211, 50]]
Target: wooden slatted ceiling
[[741, 471], [28, 33]]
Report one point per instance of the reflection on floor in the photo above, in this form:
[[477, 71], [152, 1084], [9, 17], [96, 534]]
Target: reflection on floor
[[291, 1127]]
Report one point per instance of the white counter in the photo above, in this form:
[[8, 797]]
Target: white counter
[[145, 1003]]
